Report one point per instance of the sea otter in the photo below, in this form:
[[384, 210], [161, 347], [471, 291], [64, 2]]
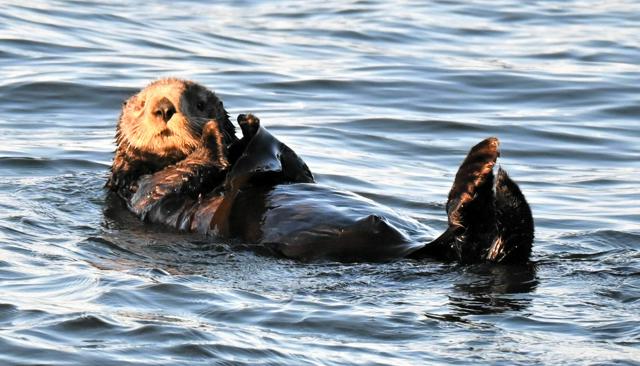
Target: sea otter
[[179, 163]]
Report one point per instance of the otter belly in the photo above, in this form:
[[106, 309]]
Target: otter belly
[[311, 221]]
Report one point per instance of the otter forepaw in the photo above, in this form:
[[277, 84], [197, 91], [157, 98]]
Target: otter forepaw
[[249, 124], [213, 140]]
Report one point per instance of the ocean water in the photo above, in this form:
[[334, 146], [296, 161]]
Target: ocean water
[[380, 98]]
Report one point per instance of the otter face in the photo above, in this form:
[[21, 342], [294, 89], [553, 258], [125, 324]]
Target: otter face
[[166, 118]]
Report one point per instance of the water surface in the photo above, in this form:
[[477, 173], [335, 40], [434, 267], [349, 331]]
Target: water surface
[[383, 99]]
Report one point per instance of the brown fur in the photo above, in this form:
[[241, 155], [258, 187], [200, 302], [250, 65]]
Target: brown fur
[[146, 143], [178, 163]]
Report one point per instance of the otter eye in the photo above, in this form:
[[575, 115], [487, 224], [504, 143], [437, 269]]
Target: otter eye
[[200, 106]]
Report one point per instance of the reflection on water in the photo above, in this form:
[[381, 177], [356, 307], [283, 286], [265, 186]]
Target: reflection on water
[[382, 99], [489, 290]]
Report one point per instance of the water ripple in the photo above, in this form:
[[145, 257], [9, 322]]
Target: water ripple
[[381, 99]]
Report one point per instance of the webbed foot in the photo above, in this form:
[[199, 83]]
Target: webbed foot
[[489, 219]]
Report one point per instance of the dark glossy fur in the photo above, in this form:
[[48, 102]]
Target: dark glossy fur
[[489, 218], [258, 190]]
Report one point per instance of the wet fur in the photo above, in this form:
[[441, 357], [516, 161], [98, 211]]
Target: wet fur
[[189, 171], [146, 145]]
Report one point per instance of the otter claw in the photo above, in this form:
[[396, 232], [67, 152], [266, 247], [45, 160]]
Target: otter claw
[[249, 124]]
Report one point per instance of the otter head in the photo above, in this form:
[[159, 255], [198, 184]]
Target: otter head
[[161, 125], [165, 119]]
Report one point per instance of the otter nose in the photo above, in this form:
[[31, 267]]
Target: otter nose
[[164, 109]]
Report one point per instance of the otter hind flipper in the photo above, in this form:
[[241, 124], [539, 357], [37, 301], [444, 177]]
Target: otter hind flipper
[[470, 206], [485, 223], [515, 229]]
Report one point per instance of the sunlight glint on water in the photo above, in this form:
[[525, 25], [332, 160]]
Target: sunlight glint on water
[[382, 99]]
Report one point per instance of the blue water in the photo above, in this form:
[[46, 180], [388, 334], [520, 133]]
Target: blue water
[[383, 99]]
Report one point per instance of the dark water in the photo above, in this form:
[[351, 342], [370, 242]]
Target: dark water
[[380, 99]]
